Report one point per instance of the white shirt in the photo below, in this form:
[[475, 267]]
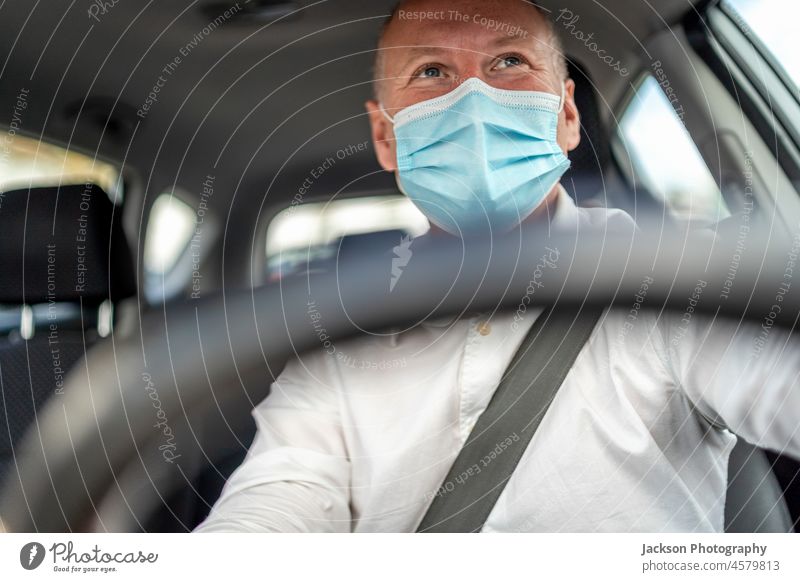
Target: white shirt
[[361, 439]]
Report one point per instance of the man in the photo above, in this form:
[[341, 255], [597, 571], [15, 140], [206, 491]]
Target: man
[[637, 438]]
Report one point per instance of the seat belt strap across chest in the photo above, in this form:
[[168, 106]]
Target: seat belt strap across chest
[[499, 438]]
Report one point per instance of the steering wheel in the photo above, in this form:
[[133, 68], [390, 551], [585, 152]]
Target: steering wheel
[[221, 352]]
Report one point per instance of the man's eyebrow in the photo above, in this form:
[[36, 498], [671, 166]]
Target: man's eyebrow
[[527, 44], [415, 52]]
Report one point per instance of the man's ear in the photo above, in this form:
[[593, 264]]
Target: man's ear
[[382, 137], [569, 123]]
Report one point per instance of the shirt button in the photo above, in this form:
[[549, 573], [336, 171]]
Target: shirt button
[[484, 328]]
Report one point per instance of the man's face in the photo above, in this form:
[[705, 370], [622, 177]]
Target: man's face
[[432, 46]]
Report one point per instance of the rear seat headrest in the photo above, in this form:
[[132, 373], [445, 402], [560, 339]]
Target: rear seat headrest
[[63, 243]]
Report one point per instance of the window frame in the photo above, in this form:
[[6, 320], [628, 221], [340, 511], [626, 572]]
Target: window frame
[[718, 39]]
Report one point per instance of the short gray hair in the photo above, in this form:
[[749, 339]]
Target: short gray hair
[[553, 41]]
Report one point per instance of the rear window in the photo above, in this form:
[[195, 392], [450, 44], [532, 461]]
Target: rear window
[[311, 233]]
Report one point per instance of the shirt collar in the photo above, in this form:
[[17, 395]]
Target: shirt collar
[[566, 215]]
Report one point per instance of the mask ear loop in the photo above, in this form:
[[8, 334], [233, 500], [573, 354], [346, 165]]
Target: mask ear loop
[[386, 115]]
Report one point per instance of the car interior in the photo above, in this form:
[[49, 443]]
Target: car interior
[[207, 148]]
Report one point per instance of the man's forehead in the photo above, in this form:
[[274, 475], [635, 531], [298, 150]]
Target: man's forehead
[[467, 24]]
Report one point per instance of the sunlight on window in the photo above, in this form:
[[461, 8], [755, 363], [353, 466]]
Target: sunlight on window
[[321, 223], [309, 234], [666, 159], [169, 230], [775, 24], [26, 162]]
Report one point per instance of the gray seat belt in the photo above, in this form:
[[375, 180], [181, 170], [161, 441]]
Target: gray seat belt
[[500, 436]]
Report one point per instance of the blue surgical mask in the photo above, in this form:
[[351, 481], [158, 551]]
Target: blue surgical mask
[[479, 159]]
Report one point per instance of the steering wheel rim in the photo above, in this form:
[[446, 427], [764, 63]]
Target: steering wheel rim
[[70, 459]]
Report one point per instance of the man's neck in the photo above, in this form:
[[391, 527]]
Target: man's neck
[[547, 209]]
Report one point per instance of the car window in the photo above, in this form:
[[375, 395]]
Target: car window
[[172, 250], [775, 26], [169, 230], [311, 232], [665, 160], [26, 162]]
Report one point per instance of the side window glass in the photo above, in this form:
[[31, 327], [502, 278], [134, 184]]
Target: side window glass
[[774, 25], [170, 227], [666, 161]]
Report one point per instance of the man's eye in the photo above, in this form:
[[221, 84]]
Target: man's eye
[[429, 72], [510, 61]]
